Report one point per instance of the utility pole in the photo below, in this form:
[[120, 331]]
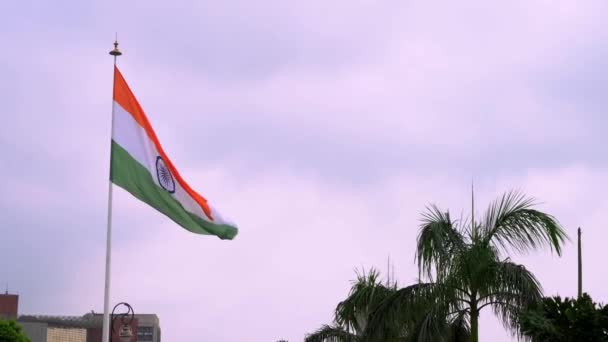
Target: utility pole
[[388, 271], [580, 266], [473, 231]]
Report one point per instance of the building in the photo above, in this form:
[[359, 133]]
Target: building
[[59, 334], [146, 330], [9, 305], [44, 332], [85, 328]]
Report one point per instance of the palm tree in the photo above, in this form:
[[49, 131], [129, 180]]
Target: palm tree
[[367, 294], [332, 333], [467, 268], [352, 314]]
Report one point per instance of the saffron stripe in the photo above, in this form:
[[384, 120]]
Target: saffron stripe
[[126, 99]]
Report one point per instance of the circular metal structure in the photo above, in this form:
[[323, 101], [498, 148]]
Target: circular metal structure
[[125, 333]]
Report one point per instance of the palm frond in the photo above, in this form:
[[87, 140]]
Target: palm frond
[[439, 324], [512, 222], [459, 329], [509, 289], [398, 315], [329, 333], [365, 295], [438, 240], [430, 329]]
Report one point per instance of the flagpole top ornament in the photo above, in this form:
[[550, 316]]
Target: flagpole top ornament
[[116, 52]]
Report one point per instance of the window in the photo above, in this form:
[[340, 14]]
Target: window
[[145, 333]]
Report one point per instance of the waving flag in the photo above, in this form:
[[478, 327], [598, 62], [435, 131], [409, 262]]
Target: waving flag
[[140, 166]]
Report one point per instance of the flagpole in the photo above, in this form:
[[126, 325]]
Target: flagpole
[[106, 295]]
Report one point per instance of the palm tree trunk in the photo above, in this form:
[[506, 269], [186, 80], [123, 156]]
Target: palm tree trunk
[[474, 323]]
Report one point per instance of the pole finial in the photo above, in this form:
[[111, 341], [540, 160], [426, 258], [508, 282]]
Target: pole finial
[[115, 52]]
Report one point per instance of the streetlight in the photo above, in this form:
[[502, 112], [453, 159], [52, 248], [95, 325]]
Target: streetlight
[[125, 333]]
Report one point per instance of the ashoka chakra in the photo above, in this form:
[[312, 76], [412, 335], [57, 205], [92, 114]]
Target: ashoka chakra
[[165, 179]]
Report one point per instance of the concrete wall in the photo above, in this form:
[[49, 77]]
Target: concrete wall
[[36, 332], [66, 335]]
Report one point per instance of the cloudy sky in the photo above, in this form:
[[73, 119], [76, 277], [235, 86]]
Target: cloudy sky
[[322, 128]]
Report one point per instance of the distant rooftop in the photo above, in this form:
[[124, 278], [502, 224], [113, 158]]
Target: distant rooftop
[[88, 320]]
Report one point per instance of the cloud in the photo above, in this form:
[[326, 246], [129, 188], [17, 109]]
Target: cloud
[[299, 243], [298, 246], [322, 128]]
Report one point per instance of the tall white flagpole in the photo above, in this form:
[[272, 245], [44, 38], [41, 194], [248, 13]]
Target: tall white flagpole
[[106, 294]]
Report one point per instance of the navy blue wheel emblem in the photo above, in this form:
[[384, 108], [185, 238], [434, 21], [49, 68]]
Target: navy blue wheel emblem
[[165, 179]]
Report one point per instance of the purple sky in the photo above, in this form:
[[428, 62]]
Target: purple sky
[[321, 128]]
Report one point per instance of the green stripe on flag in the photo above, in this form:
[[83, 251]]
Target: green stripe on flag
[[130, 175]]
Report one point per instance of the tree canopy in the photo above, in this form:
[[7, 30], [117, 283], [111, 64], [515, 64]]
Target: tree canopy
[[10, 331], [567, 320], [354, 315], [465, 268]]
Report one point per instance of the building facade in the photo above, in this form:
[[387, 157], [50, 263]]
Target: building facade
[[9, 305], [35, 331], [58, 334], [148, 329], [85, 328]]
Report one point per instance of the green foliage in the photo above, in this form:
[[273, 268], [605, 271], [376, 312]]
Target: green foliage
[[464, 268], [568, 320], [11, 332], [328, 333], [467, 269], [352, 314], [367, 295]]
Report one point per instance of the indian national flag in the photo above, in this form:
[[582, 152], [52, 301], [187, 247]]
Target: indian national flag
[[141, 167]]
